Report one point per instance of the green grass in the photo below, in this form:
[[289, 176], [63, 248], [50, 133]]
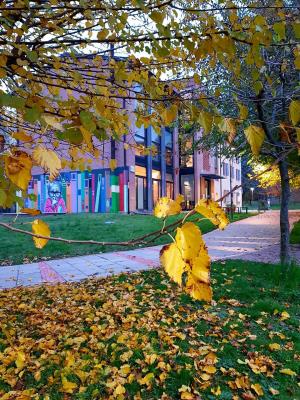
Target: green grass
[[19, 248], [295, 233], [108, 332]]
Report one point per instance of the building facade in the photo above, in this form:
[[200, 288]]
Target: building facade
[[139, 179]]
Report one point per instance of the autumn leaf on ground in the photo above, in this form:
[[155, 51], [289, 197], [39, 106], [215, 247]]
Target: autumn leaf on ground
[[18, 168], [48, 160], [287, 371], [40, 228]]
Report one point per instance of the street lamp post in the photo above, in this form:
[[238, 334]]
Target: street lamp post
[[252, 190]]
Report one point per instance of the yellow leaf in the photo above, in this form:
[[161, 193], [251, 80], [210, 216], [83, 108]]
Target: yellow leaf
[[67, 386], [228, 125], [147, 379], [255, 136], [37, 375], [18, 168], [125, 369], [284, 315], [198, 290], [126, 146], [69, 360], [53, 121], [20, 361], [189, 241], [274, 346], [186, 262], [112, 164], [187, 396], [211, 210], [210, 369], [216, 391], [294, 110], [165, 207], [119, 390], [287, 371], [257, 389], [40, 228], [298, 139], [87, 136], [279, 28], [169, 114], [157, 16], [180, 198], [31, 211], [243, 111], [274, 392], [22, 136], [48, 160], [172, 262], [205, 119]]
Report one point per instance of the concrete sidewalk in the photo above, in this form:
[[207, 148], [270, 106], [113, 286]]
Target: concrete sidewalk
[[255, 238]]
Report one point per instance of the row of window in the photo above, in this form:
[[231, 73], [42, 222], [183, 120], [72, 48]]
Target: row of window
[[141, 142], [237, 174]]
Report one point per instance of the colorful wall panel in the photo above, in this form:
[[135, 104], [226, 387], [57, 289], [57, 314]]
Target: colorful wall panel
[[96, 191]]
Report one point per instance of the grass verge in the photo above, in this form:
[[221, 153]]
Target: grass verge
[[19, 248], [139, 336]]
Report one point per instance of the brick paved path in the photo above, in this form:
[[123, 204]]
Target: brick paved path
[[255, 238]]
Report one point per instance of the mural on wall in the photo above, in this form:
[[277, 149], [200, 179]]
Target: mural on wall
[[96, 191], [55, 203]]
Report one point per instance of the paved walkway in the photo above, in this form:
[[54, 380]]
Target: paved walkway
[[255, 238]]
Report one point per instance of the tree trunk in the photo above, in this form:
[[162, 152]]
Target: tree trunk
[[285, 250]]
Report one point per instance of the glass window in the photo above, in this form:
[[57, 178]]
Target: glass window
[[169, 138], [186, 153], [187, 187], [225, 169], [170, 189], [231, 171], [156, 184]]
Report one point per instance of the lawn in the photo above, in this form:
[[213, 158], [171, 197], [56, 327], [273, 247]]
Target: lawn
[[295, 233], [140, 337], [19, 248]]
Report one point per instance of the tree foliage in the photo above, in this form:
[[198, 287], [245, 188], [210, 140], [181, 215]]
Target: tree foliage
[[71, 70]]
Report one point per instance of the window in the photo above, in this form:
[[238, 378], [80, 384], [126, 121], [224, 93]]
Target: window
[[169, 146], [232, 171], [139, 138], [186, 153], [238, 174], [155, 141], [225, 169]]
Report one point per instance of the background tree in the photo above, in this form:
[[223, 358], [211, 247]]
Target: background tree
[[261, 103]]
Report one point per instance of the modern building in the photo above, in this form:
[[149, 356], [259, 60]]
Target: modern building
[[139, 179]]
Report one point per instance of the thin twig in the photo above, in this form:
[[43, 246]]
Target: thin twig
[[141, 239]]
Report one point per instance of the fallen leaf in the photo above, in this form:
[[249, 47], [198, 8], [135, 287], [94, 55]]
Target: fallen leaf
[[284, 315], [287, 371], [257, 389]]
